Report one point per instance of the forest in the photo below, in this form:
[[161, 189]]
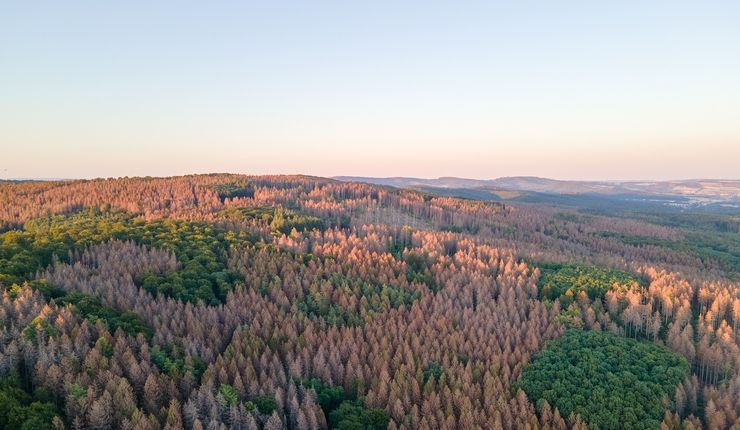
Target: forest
[[293, 302]]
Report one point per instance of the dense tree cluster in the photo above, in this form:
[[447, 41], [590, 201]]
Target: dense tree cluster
[[20, 410], [610, 381], [565, 281], [280, 220], [291, 302]]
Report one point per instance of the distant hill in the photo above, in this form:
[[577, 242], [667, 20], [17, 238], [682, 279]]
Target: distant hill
[[708, 194]]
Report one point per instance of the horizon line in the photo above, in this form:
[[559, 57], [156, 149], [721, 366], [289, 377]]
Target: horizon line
[[337, 177]]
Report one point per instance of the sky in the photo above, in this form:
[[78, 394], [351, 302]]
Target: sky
[[560, 89]]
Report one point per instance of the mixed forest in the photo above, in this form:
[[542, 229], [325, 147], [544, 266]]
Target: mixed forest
[[291, 302]]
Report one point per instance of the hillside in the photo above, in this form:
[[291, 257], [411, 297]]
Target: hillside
[[709, 194], [294, 302]]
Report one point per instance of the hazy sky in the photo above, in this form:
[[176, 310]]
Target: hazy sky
[[563, 89]]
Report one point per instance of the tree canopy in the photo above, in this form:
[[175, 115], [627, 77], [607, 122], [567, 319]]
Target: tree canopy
[[610, 381]]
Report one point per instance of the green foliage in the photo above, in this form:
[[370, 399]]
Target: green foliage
[[35, 416], [564, 281], [49, 291], [240, 188], [328, 396], [265, 404], [470, 229], [317, 305], [105, 347], [202, 252], [377, 298], [285, 220], [192, 284], [23, 252], [714, 237], [229, 394], [39, 323], [199, 247], [571, 317], [77, 391], [260, 213], [417, 271], [696, 221], [173, 361], [433, 370], [722, 247], [21, 411], [611, 381], [280, 220], [396, 249], [354, 415], [91, 309], [573, 217]]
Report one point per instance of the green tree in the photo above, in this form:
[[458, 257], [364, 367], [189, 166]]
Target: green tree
[[610, 381]]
